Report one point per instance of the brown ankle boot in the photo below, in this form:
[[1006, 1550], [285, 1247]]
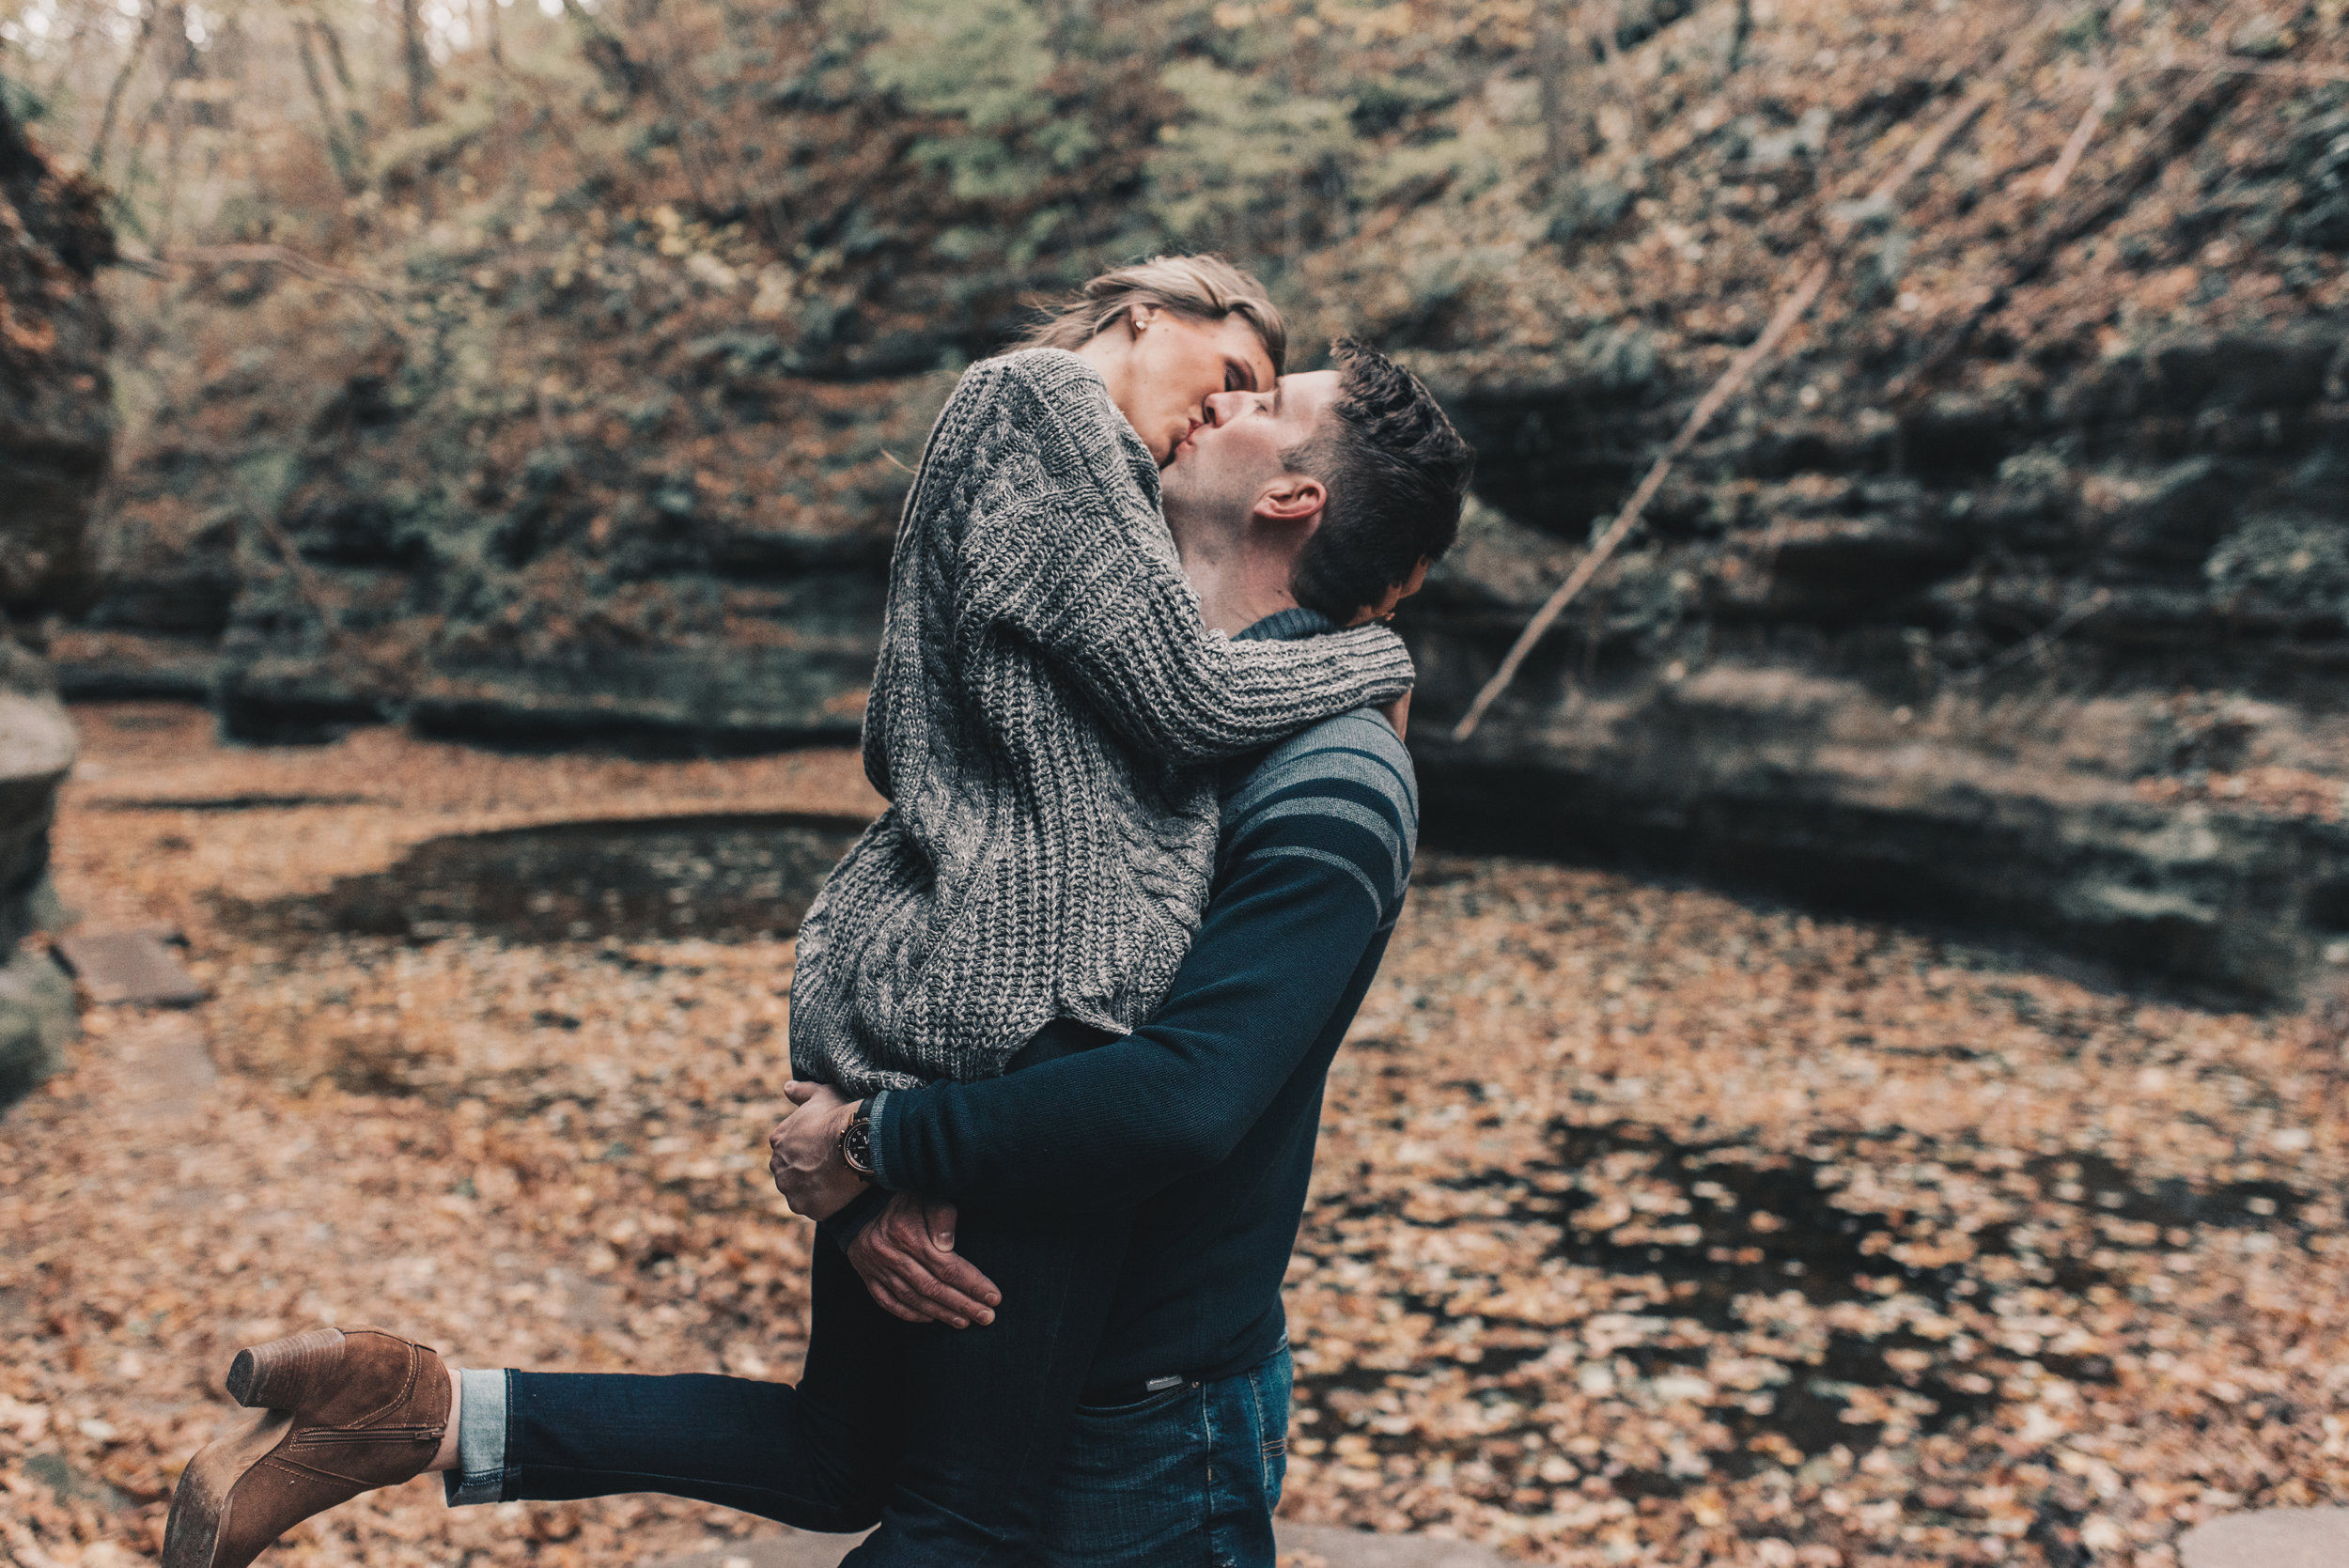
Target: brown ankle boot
[[337, 1415]]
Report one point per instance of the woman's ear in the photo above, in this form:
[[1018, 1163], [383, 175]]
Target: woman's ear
[[1142, 318]]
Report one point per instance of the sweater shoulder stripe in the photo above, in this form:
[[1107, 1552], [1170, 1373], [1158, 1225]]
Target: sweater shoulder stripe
[[1354, 746], [1361, 728], [1381, 911], [1342, 793], [1393, 855], [1339, 769]]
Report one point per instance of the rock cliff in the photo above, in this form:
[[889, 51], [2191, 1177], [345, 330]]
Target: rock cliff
[[2017, 592], [55, 426], [2066, 664]]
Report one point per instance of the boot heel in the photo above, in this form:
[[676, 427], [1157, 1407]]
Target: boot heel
[[279, 1375]]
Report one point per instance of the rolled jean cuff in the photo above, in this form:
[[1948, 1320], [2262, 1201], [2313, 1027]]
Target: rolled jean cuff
[[480, 1472]]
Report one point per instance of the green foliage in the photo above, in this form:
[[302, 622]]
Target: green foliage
[[986, 63], [1462, 166], [19, 101], [1248, 145], [2085, 28]]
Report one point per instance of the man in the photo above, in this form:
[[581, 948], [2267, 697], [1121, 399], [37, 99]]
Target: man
[[1296, 509], [1205, 1118]]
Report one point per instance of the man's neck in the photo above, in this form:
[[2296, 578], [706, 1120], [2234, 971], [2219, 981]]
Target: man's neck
[[1239, 582]]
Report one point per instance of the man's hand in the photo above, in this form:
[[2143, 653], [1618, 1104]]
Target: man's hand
[[805, 1151], [1398, 713], [906, 1260]]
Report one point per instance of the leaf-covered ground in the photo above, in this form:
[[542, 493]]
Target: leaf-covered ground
[[1649, 1225]]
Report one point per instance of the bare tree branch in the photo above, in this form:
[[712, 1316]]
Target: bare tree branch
[[2247, 67], [2171, 130], [2077, 147], [605, 51], [277, 255]]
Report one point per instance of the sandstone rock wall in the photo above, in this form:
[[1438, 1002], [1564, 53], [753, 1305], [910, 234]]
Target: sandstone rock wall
[[56, 427], [2068, 664]]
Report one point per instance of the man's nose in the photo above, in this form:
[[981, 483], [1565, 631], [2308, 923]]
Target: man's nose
[[1221, 405]]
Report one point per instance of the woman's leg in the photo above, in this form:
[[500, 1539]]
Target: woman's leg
[[986, 1410], [817, 1456]]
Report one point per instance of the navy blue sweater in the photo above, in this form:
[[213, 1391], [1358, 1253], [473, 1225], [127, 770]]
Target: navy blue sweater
[[1203, 1119]]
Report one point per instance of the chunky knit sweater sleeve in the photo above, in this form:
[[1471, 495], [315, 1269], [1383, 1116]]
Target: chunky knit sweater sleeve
[[1083, 567]]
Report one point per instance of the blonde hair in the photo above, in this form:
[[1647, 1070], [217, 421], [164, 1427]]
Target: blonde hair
[[1202, 287]]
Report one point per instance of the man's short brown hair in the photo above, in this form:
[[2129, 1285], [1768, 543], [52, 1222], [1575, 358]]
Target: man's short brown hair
[[1397, 471]]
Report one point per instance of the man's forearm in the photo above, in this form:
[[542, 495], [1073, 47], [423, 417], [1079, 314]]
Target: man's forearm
[[860, 1211], [1108, 1127]]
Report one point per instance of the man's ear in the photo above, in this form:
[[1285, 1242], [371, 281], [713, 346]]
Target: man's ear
[[1291, 499]]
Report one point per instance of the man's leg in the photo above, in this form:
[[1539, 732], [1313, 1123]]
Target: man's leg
[[1191, 1475]]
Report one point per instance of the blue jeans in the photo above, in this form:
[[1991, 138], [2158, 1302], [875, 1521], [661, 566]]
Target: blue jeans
[[1185, 1479]]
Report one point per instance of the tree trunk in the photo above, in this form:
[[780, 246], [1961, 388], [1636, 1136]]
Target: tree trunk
[[84, 26], [346, 167], [134, 165], [341, 68], [174, 140], [114, 95], [604, 52], [417, 59]]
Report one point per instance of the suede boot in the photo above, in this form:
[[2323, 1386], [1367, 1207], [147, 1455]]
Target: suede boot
[[336, 1414]]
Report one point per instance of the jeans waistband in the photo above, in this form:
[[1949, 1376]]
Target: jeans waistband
[[1135, 1391]]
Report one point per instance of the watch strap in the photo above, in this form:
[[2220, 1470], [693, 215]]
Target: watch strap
[[856, 1142]]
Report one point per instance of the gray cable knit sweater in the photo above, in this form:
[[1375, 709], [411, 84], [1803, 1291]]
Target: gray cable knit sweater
[[1046, 697]]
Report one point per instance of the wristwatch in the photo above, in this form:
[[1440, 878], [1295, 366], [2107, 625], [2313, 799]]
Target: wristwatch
[[856, 1142]]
